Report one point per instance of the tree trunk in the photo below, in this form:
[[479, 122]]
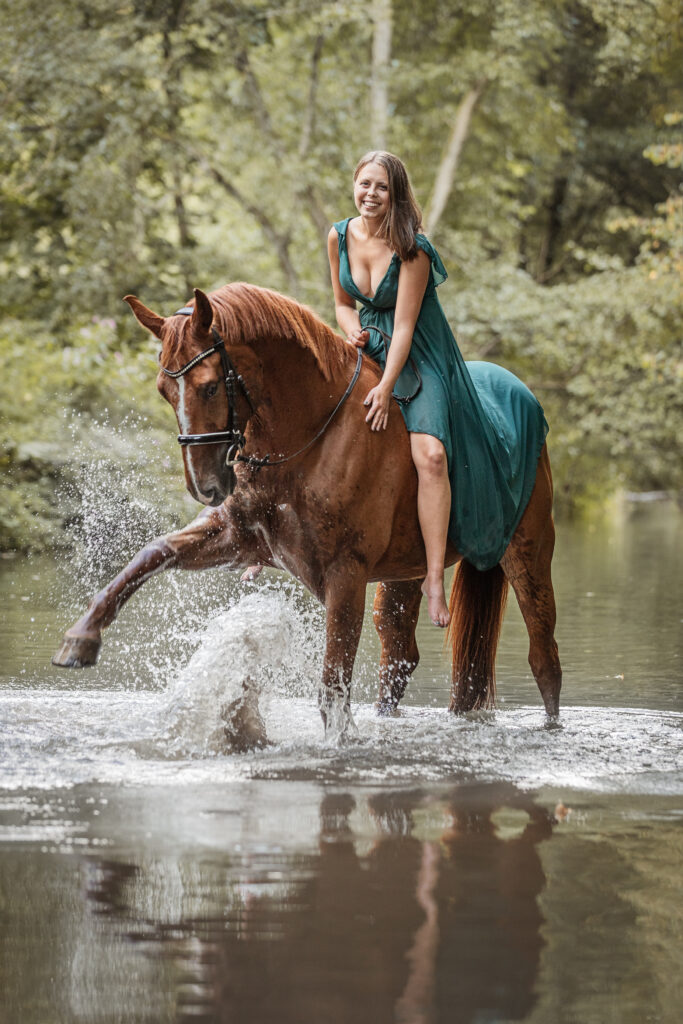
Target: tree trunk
[[449, 164], [304, 191], [548, 247], [381, 55]]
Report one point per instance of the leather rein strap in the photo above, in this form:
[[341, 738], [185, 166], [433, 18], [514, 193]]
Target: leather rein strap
[[233, 435]]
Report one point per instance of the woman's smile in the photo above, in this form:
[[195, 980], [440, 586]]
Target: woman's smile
[[371, 191]]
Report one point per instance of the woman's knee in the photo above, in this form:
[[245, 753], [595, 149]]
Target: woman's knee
[[429, 455]]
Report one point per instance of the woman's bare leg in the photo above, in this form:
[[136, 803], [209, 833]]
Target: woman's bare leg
[[433, 509]]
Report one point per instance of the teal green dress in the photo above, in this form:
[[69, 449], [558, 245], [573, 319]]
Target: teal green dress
[[492, 427]]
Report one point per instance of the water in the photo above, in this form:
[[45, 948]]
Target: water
[[481, 869]]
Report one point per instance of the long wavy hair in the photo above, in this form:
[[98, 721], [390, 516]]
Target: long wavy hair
[[404, 218]]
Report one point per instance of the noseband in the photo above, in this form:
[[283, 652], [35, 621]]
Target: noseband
[[233, 435]]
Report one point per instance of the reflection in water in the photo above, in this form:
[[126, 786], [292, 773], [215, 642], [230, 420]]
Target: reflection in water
[[431, 914], [490, 922]]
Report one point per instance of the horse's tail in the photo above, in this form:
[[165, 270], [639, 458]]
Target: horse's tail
[[477, 605]]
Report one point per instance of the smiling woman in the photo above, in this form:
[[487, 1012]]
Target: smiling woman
[[466, 423]]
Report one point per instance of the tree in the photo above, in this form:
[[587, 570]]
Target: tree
[[190, 142]]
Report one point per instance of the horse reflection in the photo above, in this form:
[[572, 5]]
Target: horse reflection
[[410, 910], [489, 917]]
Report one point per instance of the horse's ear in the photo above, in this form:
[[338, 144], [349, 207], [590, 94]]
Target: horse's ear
[[151, 321], [203, 312]]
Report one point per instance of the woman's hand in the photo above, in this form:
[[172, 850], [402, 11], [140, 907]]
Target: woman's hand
[[379, 400], [358, 337]]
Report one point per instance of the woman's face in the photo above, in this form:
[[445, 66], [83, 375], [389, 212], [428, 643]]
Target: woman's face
[[371, 192]]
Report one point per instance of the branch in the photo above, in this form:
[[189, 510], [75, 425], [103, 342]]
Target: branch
[[278, 240], [258, 104], [449, 164]]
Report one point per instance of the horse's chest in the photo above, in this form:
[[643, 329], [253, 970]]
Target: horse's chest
[[303, 540]]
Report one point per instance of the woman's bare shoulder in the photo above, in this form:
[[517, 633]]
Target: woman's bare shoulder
[[352, 226], [417, 266]]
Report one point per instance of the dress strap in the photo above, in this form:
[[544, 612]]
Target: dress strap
[[439, 272], [341, 226]]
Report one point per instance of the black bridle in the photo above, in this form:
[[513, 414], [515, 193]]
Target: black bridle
[[233, 435]]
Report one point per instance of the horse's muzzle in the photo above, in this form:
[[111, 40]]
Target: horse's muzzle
[[215, 488], [220, 491]]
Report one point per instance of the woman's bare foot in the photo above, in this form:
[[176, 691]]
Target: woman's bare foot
[[434, 591], [250, 574]]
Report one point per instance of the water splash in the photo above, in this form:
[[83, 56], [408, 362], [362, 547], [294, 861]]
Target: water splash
[[265, 645], [120, 487]]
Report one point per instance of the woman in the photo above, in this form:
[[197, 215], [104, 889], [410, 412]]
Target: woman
[[388, 223], [475, 431]]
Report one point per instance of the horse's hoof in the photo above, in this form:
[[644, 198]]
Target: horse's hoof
[[244, 728], [386, 709], [77, 652]]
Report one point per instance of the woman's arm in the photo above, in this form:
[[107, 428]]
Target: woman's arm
[[344, 306], [412, 283]]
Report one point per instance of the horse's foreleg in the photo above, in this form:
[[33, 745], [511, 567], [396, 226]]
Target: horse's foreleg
[[345, 605], [82, 641], [210, 539], [395, 613]]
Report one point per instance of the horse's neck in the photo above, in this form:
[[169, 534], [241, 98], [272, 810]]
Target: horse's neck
[[296, 396]]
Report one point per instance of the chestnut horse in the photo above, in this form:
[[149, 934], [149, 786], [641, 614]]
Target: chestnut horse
[[298, 481]]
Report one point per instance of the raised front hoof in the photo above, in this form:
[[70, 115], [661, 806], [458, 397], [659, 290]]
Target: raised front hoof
[[77, 652], [244, 728]]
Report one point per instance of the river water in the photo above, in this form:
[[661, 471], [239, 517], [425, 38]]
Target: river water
[[484, 869]]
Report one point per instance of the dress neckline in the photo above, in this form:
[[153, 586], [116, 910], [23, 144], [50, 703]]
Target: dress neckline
[[368, 298]]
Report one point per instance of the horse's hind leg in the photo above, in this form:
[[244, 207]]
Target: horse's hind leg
[[526, 564], [210, 539], [395, 614]]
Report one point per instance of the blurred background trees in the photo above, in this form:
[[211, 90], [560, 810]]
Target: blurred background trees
[[151, 146]]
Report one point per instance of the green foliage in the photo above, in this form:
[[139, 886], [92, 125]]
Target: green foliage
[[604, 355], [66, 407], [151, 146]]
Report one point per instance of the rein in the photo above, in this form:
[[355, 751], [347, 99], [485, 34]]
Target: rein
[[234, 435]]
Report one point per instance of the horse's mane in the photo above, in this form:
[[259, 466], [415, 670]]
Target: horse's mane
[[246, 313]]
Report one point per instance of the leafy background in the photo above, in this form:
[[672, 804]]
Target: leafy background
[[157, 145]]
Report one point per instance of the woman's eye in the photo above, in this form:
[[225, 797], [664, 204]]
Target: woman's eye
[[210, 390]]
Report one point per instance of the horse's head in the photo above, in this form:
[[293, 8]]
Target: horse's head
[[197, 393]]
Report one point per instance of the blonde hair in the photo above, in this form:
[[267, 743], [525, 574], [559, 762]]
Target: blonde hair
[[404, 217]]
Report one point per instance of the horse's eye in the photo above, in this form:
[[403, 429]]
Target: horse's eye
[[210, 390]]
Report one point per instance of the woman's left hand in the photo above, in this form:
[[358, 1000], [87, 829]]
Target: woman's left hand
[[379, 400]]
